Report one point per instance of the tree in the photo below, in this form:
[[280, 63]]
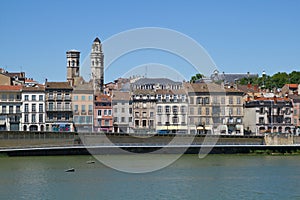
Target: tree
[[196, 77]]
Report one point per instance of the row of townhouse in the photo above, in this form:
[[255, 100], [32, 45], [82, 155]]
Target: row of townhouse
[[152, 105]]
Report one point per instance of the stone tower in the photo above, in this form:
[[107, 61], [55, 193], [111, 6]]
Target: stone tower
[[97, 66], [73, 57]]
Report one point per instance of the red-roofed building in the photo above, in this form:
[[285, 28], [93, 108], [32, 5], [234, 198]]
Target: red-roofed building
[[10, 107], [290, 89], [103, 118]]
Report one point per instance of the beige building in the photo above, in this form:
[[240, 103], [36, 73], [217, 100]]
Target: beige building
[[82, 101], [214, 109], [59, 115]]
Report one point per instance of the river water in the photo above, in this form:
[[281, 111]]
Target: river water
[[213, 177]]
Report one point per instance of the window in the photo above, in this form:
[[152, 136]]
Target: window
[[159, 97], [99, 112], [11, 109], [67, 96], [261, 120], [90, 98], [175, 98], [230, 111], [130, 119], [207, 111], [130, 110], [33, 107], [183, 109], [26, 118], [106, 122], [151, 114], [41, 98], [238, 100], [59, 96], [287, 120], [159, 109], [51, 106], [18, 109], [33, 97], [144, 114], [123, 119], [175, 109], [206, 100], [230, 100], [41, 118], [41, 108], [82, 108], [90, 108], [67, 106], [4, 97], [83, 98], [207, 121], [175, 120], [199, 111], [109, 112], [50, 117], [33, 120], [167, 109], [223, 100], [183, 98], [89, 119], [238, 111], [59, 106], [67, 117], [123, 110], [167, 97], [76, 98], [26, 97], [50, 95], [295, 113], [11, 97], [76, 108], [3, 109], [115, 110], [58, 116], [105, 112], [81, 119]]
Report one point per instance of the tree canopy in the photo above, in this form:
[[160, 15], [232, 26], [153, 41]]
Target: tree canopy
[[196, 77], [278, 80]]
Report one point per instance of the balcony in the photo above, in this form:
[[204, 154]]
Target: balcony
[[58, 109]]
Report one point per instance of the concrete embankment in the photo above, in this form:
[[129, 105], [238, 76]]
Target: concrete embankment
[[51, 143]]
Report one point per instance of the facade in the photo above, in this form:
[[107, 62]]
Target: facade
[[10, 107], [33, 108], [59, 115], [82, 101], [214, 109], [103, 118], [296, 112], [268, 115], [171, 111], [97, 66], [122, 112], [144, 111]]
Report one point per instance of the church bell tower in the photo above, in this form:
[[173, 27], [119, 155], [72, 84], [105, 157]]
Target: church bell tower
[[97, 66]]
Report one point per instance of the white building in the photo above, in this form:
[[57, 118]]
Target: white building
[[33, 108]]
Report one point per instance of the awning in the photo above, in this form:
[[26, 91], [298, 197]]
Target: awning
[[169, 127], [201, 128], [2, 122]]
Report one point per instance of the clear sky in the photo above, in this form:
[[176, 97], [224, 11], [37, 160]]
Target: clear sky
[[240, 36]]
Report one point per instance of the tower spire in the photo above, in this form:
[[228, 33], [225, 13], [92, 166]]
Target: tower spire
[[97, 66]]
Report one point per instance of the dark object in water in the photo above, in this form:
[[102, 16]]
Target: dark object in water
[[90, 162], [70, 170]]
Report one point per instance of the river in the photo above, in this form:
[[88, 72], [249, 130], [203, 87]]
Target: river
[[213, 177]]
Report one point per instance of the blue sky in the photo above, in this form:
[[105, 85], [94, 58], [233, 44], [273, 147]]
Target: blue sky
[[240, 36]]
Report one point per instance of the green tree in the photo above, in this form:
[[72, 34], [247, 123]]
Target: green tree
[[196, 77]]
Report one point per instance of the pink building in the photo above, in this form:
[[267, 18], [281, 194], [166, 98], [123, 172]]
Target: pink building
[[103, 119]]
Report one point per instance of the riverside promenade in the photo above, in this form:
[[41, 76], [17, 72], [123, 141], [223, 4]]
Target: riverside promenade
[[69, 143]]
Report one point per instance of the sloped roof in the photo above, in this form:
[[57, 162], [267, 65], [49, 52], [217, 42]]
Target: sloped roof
[[58, 85], [97, 40], [292, 86], [38, 87], [10, 87], [154, 81], [118, 96], [209, 88]]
